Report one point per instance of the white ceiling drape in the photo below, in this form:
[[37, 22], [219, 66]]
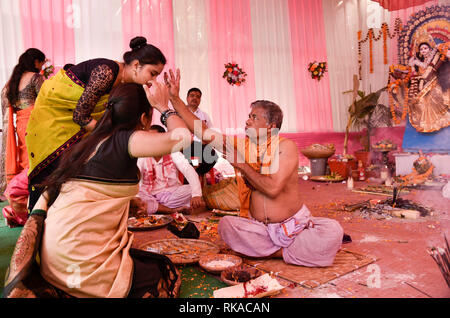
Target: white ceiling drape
[[11, 45], [191, 45], [95, 23], [273, 57]]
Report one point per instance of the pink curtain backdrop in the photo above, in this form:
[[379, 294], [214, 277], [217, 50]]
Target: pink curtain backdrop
[[394, 5], [48, 26], [405, 15], [230, 40], [152, 19], [314, 112]]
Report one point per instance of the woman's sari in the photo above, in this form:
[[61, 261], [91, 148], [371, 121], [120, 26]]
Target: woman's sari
[[51, 129], [16, 213], [16, 150], [86, 249], [22, 278]]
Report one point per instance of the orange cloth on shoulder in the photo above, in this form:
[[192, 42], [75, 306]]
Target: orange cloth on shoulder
[[257, 155]]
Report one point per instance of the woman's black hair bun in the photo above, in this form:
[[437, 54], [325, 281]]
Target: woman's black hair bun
[[138, 43]]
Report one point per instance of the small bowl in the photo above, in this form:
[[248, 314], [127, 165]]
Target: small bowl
[[239, 274], [217, 263]]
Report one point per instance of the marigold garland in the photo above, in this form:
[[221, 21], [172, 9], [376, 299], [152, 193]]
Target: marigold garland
[[317, 70], [385, 57], [234, 74], [394, 87], [370, 36]]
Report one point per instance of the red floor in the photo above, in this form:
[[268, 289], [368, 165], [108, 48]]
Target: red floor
[[404, 268]]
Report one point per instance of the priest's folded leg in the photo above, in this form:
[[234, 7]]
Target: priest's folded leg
[[303, 239]]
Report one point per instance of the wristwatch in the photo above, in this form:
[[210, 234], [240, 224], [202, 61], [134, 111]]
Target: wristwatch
[[166, 114]]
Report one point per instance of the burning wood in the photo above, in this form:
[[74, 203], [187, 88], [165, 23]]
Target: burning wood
[[394, 206], [390, 207]]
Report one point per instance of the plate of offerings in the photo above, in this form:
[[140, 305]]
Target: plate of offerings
[[152, 222], [181, 251], [328, 178], [384, 145], [239, 274], [262, 286], [217, 263], [318, 151]]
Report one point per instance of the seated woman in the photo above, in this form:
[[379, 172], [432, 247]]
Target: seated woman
[[86, 248], [429, 91]]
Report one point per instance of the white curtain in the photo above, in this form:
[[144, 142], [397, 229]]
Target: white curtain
[[97, 22], [191, 47], [11, 44], [273, 57], [341, 25], [343, 20]]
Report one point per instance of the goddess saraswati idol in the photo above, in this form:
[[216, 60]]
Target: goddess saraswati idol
[[430, 83]]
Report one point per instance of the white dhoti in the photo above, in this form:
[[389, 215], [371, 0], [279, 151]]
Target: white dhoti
[[175, 198], [305, 240]]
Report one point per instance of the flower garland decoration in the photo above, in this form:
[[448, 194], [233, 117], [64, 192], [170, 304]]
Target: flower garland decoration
[[393, 88], [317, 70], [370, 36], [234, 74], [47, 69]]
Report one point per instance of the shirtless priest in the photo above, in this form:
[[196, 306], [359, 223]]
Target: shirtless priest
[[273, 222]]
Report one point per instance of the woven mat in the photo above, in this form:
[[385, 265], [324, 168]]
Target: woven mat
[[312, 277]]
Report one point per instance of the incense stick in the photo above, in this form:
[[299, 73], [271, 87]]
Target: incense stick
[[417, 289], [442, 258]]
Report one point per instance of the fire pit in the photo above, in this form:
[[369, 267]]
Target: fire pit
[[394, 206]]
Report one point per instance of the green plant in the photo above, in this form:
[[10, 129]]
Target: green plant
[[366, 112]]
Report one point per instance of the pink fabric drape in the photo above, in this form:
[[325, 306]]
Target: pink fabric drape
[[152, 19], [303, 139], [46, 26], [394, 5], [313, 97], [230, 40]]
